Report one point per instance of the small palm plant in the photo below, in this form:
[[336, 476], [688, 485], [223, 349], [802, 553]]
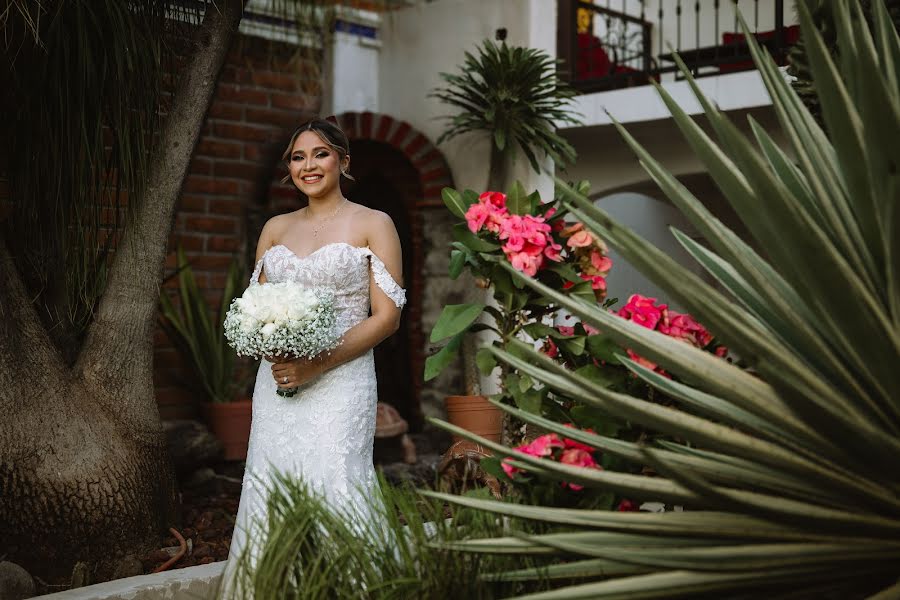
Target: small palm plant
[[514, 95], [789, 468], [198, 336], [392, 546]]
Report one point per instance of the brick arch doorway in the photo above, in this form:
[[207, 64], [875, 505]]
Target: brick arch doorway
[[398, 171]]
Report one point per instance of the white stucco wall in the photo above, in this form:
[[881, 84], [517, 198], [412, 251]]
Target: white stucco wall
[[630, 105], [421, 41], [651, 219]]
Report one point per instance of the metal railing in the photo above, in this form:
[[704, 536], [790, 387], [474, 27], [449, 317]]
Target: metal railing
[[610, 44]]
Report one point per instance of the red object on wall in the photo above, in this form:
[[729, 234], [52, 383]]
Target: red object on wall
[[592, 60], [791, 35]]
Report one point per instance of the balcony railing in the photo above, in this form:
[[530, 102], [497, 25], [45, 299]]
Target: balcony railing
[[610, 44]]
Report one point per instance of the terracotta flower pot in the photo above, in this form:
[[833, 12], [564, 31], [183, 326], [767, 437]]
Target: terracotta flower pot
[[230, 422], [475, 414]]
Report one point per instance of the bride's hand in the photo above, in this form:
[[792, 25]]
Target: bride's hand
[[294, 372]]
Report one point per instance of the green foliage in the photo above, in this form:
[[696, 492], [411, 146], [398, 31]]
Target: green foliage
[[397, 549], [199, 339], [512, 94], [80, 94], [786, 466]]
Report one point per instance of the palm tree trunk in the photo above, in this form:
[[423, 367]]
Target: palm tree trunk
[[499, 169], [84, 472]]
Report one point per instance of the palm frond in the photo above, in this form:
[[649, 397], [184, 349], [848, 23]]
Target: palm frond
[[510, 93]]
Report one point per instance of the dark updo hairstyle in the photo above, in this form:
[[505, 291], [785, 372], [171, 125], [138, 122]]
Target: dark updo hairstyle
[[333, 136]]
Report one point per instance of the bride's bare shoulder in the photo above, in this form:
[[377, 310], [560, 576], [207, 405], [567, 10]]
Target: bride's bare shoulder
[[374, 222], [273, 231]]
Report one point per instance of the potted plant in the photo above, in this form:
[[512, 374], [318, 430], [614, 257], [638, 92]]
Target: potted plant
[[514, 230], [513, 95], [201, 342]]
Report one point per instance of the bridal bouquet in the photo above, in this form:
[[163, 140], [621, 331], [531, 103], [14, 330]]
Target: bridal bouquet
[[281, 319]]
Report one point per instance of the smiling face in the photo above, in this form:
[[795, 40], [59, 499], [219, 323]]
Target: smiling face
[[315, 166]]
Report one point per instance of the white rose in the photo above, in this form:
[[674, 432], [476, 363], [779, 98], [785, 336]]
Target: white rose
[[264, 313], [268, 329], [248, 323], [298, 312]]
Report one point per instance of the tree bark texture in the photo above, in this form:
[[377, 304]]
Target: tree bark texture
[[84, 471]]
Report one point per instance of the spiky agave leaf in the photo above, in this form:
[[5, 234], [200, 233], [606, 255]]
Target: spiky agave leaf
[[789, 469]]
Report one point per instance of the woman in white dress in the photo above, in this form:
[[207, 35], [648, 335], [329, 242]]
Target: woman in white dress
[[324, 434]]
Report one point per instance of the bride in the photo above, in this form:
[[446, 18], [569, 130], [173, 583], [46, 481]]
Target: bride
[[324, 434]]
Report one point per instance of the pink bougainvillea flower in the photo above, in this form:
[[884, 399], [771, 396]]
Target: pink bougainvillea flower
[[495, 221], [509, 469], [552, 251], [497, 199], [572, 229], [568, 284], [489, 212], [643, 311], [513, 231], [574, 444], [476, 216], [528, 264], [580, 239], [626, 505], [600, 262], [565, 329], [721, 351], [597, 281], [577, 457], [641, 360], [542, 445], [684, 327], [590, 330], [550, 349]]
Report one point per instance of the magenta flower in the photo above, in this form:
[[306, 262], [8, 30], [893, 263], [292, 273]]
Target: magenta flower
[[565, 329], [643, 311], [627, 505], [528, 264], [600, 262], [488, 213], [550, 348], [542, 445], [476, 216], [577, 457], [578, 445], [598, 282], [684, 327], [496, 199]]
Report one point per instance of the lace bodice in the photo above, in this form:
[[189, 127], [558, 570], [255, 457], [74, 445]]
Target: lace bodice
[[339, 267]]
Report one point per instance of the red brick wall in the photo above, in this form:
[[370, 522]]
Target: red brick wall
[[262, 95]]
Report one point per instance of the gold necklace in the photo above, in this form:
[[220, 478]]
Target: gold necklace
[[328, 218]]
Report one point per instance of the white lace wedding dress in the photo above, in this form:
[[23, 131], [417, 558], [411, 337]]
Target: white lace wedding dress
[[324, 434]]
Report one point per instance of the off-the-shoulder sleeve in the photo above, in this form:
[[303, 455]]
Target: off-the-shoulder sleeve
[[256, 271], [384, 280]]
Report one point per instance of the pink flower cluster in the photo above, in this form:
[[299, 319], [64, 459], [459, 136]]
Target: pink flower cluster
[[566, 451], [645, 311], [528, 242], [591, 256]]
